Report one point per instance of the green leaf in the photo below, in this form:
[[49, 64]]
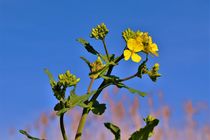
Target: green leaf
[[111, 78], [62, 111], [50, 76], [87, 46], [115, 81], [142, 70], [114, 129], [132, 90], [147, 131], [86, 61], [59, 106], [72, 101], [98, 109], [105, 59], [83, 105], [136, 91], [75, 100], [29, 136]]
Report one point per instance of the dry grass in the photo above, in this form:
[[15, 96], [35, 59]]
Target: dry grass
[[126, 114]]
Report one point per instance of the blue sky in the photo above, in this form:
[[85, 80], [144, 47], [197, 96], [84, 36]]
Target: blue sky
[[41, 34]]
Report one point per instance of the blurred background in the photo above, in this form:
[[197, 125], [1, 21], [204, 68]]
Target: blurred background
[[42, 34]]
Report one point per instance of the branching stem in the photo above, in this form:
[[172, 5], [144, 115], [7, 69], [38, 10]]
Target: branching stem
[[84, 115], [85, 112]]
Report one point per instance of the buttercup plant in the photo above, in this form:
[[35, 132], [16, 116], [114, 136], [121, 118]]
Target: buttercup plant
[[138, 44]]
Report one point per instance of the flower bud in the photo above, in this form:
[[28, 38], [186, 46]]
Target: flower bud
[[99, 32]]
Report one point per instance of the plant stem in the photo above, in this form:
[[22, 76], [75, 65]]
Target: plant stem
[[128, 78], [132, 76], [62, 127], [84, 115], [105, 48], [95, 96], [81, 124], [90, 85]]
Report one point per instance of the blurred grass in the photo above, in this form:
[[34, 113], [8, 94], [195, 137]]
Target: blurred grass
[[126, 112]]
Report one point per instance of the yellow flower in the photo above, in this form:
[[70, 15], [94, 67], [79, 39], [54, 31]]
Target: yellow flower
[[134, 46], [149, 46]]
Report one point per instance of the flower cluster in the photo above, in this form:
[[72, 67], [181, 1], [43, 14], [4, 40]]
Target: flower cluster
[[95, 68], [137, 42], [153, 73], [67, 79], [99, 32]]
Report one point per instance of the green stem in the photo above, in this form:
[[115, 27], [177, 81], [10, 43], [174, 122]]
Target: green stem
[[84, 115], [81, 124], [62, 127], [128, 78], [85, 112], [132, 76], [105, 48]]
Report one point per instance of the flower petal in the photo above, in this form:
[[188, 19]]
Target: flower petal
[[135, 57], [154, 49], [131, 44], [139, 47], [127, 54]]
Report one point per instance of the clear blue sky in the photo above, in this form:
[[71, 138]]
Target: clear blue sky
[[38, 34]]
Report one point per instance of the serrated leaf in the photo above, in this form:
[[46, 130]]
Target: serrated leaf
[[114, 129], [87, 46], [147, 131], [98, 109], [29, 136]]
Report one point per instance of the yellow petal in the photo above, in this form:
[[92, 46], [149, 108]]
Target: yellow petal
[[135, 44], [127, 54], [154, 49], [138, 48], [150, 39], [139, 39], [131, 44], [135, 57]]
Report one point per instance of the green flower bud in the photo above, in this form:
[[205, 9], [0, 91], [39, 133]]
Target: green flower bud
[[99, 32], [149, 119], [128, 34], [67, 79], [142, 70], [153, 73], [95, 68]]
